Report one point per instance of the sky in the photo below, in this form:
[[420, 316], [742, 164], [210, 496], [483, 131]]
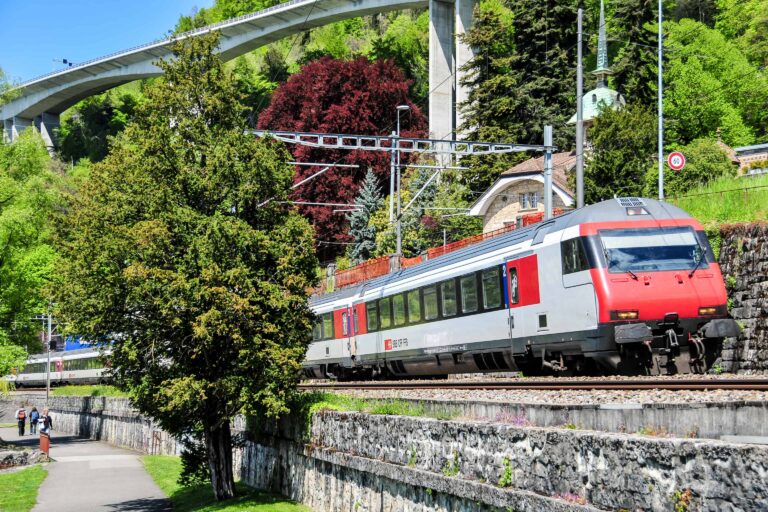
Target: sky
[[35, 32]]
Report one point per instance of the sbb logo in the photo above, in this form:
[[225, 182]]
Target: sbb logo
[[388, 344]]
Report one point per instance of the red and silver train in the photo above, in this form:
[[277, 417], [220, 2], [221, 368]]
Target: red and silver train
[[627, 286]]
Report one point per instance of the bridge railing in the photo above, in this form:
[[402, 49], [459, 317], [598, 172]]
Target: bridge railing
[[169, 40]]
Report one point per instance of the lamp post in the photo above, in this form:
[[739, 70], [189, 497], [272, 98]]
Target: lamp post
[[399, 251]]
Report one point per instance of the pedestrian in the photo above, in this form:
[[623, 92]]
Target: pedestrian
[[21, 417], [46, 421], [33, 417]]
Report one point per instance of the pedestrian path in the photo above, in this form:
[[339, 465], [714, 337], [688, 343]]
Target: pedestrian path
[[90, 475]]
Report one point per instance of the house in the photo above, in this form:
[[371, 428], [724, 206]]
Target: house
[[520, 191], [752, 159]]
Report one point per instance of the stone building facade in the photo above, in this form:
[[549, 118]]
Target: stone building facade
[[520, 191]]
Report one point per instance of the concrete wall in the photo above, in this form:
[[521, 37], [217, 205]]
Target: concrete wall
[[611, 471], [744, 262]]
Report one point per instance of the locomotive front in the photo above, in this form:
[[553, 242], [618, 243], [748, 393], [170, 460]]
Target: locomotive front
[[660, 290]]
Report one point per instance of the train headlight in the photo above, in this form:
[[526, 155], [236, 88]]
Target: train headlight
[[624, 315], [711, 310]]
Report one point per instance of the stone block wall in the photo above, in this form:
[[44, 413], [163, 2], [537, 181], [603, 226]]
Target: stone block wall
[[611, 471], [744, 263]]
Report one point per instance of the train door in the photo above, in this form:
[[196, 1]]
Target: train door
[[522, 290]]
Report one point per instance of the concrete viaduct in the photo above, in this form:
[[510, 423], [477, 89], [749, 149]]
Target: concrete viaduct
[[40, 101]]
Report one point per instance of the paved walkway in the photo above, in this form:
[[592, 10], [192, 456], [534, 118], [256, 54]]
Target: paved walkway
[[92, 476]]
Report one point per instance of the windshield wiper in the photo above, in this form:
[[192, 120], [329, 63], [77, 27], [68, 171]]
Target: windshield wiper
[[698, 261], [608, 259]]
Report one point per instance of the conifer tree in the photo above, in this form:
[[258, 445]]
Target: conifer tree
[[362, 232], [636, 62], [170, 248]]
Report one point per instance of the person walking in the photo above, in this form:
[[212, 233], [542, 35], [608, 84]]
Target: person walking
[[46, 421], [34, 415], [21, 417]]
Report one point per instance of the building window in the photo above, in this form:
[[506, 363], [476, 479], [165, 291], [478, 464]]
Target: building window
[[523, 201], [533, 199]]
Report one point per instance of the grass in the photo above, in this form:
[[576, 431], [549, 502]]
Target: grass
[[165, 471], [99, 390], [313, 402], [727, 200], [18, 490]]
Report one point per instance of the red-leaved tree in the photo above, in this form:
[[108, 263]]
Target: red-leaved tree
[[335, 96]]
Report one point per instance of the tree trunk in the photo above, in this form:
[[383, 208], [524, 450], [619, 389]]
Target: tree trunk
[[218, 441]]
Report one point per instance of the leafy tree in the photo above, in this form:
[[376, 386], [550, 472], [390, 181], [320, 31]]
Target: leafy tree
[[29, 193], [167, 246], [623, 145], [712, 85], [706, 161], [362, 233], [6, 88], [85, 130], [333, 96], [406, 41], [745, 22]]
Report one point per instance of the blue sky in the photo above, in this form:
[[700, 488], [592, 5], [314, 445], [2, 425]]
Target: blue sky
[[37, 31]]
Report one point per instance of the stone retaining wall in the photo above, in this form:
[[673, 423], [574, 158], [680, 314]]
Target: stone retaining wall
[[744, 262], [108, 419], [611, 471]]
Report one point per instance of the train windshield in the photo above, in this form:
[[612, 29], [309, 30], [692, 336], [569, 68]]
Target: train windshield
[[652, 249]]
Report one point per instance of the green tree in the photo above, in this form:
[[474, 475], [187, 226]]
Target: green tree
[[29, 193], [169, 250], [712, 85], [363, 234], [706, 161], [623, 145], [6, 88], [406, 41]]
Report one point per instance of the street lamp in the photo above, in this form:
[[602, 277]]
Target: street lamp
[[400, 108]]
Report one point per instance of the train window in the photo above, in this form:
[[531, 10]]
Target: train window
[[371, 316], [574, 256], [385, 312], [414, 307], [328, 326], [448, 292], [468, 286], [317, 331], [491, 289], [430, 302], [345, 324], [355, 320], [514, 296], [398, 309]]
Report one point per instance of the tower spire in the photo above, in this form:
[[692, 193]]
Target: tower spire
[[602, 70]]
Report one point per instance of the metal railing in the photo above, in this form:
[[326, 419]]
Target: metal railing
[[170, 39]]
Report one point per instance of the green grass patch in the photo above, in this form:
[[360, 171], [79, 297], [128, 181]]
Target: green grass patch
[[165, 471], [727, 200], [18, 490], [99, 390]]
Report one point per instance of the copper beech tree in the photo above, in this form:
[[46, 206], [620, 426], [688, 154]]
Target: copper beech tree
[[169, 251]]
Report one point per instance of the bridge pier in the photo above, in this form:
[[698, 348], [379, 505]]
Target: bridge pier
[[448, 21], [18, 125], [46, 123]]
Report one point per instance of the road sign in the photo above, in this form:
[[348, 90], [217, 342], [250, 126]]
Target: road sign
[[676, 160]]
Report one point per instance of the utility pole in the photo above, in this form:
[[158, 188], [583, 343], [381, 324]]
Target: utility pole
[[399, 251], [392, 182], [579, 118], [661, 109], [548, 172], [48, 364]]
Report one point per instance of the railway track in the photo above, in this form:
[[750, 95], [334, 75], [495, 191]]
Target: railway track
[[554, 384]]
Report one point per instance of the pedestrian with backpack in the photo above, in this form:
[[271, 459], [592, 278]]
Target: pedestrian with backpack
[[47, 422], [33, 417], [21, 417]]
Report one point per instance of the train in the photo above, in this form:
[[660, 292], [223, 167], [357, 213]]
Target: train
[[625, 286], [81, 366]]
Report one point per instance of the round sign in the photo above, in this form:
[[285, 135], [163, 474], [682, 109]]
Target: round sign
[[676, 160]]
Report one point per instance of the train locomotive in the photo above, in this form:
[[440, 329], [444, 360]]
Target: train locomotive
[[627, 286]]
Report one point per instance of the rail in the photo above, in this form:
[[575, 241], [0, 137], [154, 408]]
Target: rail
[[760, 384]]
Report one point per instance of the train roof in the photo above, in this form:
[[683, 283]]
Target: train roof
[[76, 352], [609, 210]]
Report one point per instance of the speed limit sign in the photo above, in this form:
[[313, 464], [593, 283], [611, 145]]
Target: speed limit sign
[[676, 160]]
